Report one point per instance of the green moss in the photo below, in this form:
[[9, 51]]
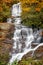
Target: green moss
[[4, 59], [30, 61], [33, 18]]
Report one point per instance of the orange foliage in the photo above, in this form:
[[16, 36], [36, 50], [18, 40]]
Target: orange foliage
[[1, 9], [7, 1], [38, 4], [38, 9], [32, 1], [27, 9], [41, 4], [25, 4]]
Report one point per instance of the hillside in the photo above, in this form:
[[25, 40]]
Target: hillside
[[23, 34]]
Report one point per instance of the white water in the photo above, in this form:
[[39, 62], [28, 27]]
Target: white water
[[23, 36]]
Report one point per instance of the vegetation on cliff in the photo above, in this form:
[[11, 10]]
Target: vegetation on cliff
[[29, 61], [6, 42], [5, 9], [32, 14], [32, 11]]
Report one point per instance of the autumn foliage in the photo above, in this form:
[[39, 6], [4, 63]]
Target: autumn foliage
[[32, 13], [27, 6], [5, 8]]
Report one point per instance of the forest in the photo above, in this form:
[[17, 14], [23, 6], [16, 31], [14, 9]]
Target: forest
[[32, 12], [32, 18]]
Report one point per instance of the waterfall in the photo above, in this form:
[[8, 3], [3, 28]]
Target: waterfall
[[23, 36]]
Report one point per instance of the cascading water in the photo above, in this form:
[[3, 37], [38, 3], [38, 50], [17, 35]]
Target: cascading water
[[23, 36]]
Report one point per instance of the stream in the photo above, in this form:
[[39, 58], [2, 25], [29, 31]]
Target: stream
[[23, 36]]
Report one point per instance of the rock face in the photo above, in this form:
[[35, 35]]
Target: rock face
[[27, 56], [41, 33], [6, 30], [39, 52], [6, 41]]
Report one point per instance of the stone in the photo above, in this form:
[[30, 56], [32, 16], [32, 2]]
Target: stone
[[39, 52], [33, 45], [28, 55], [41, 34], [6, 26], [6, 30], [6, 41]]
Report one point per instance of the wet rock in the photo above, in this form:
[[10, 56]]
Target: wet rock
[[22, 42], [38, 36], [33, 45], [28, 55], [39, 52], [41, 41], [24, 32], [41, 34], [23, 46]]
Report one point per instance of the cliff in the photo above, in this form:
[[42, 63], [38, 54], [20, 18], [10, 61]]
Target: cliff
[[6, 41]]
